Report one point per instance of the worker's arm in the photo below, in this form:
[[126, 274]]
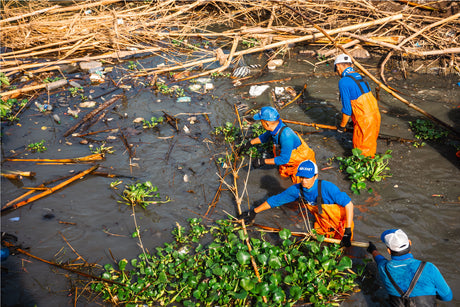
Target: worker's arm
[[345, 119], [264, 206], [349, 214]]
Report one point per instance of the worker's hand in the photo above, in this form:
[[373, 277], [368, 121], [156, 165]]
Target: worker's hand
[[371, 248], [258, 162], [248, 216], [346, 239], [340, 129]]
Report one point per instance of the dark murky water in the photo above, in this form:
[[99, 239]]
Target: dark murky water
[[103, 227]]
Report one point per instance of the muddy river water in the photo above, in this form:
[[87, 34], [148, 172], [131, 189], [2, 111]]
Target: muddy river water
[[422, 196]]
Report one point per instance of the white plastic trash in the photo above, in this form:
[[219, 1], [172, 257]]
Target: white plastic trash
[[257, 90], [184, 99]]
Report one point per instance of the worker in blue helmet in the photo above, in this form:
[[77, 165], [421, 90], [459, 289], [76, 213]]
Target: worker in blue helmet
[[409, 282], [289, 148], [332, 208]]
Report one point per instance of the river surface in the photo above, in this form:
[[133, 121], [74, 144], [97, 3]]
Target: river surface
[[422, 197]]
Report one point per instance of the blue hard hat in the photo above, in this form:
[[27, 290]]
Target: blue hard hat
[[5, 253], [267, 113], [307, 169]]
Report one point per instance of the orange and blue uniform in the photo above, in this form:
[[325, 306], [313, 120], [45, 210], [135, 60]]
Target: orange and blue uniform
[[289, 149], [359, 103], [327, 207]]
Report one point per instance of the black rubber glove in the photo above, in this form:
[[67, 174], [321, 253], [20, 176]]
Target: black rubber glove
[[371, 248], [248, 216], [346, 240], [340, 129], [258, 162]]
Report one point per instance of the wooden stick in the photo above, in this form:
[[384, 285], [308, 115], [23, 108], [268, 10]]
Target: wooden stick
[[23, 174], [317, 126], [311, 235], [51, 190], [90, 158], [29, 14], [49, 86], [274, 45], [296, 97], [91, 114]]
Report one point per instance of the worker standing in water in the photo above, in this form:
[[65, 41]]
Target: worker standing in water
[[359, 103], [289, 148]]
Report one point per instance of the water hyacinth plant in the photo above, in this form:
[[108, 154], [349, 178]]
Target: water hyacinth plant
[[220, 273], [140, 193], [361, 168]]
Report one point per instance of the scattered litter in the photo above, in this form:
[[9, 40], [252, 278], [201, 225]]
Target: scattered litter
[[73, 113], [90, 65], [44, 128], [87, 104], [75, 84], [395, 186], [184, 99], [244, 71], [203, 80], [192, 120], [68, 143], [126, 87], [208, 86], [274, 63], [186, 178], [84, 142], [186, 129], [111, 137], [279, 91], [138, 120], [97, 77], [120, 21], [257, 90], [310, 53], [43, 107], [15, 219], [56, 118], [194, 87]]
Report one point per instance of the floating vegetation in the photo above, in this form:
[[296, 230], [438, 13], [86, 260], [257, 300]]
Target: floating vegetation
[[152, 123], [426, 130], [220, 273], [140, 193], [361, 169], [37, 147]]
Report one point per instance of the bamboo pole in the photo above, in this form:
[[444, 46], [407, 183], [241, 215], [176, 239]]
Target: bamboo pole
[[90, 158], [48, 86], [367, 73], [29, 14], [310, 235], [274, 45], [51, 190]]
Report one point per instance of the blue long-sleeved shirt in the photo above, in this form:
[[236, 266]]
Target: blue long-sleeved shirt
[[288, 141], [329, 192], [349, 90], [403, 268]]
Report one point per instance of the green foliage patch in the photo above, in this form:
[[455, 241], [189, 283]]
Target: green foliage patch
[[141, 194], [426, 130], [361, 168], [152, 123], [37, 147], [221, 274]]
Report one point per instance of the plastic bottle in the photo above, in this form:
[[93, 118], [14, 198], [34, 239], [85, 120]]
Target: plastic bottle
[[43, 107], [56, 118]]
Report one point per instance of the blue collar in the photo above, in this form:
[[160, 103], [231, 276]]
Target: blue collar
[[280, 124], [403, 257], [347, 71]]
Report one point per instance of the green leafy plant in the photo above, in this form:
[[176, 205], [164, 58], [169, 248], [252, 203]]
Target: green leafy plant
[[163, 88], [249, 43], [361, 169], [220, 74], [83, 97], [37, 147], [140, 193], [427, 130], [152, 123], [101, 149], [220, 273], [4, 79], [132, 65], [51, 80], [74, 91]]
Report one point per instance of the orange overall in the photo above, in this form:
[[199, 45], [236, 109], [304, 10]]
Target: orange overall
[[366, 122], [298, 155], [329, 218]]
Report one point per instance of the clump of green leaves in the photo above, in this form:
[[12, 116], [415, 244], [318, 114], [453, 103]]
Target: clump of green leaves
[[74, 91], [216, 75], [51, 80], [132, 65], [4, 80], [141, 194], [152, 123], [7, 107], [361, 169], [427, 130], [101, 149], [220, 273], [249, 43], [37, 147]]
